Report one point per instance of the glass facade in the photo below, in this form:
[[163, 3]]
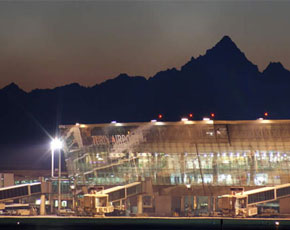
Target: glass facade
[[217, 153]]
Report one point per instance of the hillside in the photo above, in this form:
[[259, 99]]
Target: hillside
[[223, 81]]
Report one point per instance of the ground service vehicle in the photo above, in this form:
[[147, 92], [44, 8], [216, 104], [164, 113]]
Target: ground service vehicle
[[17, 209], [236, 205], [97, 204]]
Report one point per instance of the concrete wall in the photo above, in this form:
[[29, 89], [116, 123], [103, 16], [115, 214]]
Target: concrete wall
[[6, 179], [285, 205], [163, 205]]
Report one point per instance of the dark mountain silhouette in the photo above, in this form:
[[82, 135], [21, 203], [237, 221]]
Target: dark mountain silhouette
[[276, 73], [223, 81]]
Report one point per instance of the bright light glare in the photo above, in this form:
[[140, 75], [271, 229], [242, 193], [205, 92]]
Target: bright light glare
[[206, 119], [72, 186], [184, 119], [153, 120], [113, 122], [56, 144]]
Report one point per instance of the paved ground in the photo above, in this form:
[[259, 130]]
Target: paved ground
[[140, 217], [152, 223]]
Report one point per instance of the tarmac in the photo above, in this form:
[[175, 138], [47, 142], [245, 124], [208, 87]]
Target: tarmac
[[73, 222]]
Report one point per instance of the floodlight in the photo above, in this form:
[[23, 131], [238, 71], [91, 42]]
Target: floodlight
[[56, 144]]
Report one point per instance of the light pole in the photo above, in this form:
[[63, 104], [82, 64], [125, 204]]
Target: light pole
[[52, 163], [56, 144]]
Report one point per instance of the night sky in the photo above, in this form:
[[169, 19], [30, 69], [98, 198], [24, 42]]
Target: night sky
[[48, 44]]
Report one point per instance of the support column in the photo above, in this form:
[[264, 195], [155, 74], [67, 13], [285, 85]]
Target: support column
[[51, 203], [253, 167], [194, 202], [182, 203], [59, 182], [214, 169], [42, 204], [74, 202], [214, 204], [209, 204], [50, 196], [139, 205], [195, 205]]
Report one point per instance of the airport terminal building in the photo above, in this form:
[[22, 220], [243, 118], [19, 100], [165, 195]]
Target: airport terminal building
[[188, 163]]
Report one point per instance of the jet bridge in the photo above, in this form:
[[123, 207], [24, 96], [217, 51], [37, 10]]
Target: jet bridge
[[120, 193], [123, 192], [20, 191], [245, 203]]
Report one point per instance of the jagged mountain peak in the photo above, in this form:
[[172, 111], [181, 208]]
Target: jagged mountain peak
[[274, 66], [12, 85], [275, 70], [226, 40], [165, 72], [225, 49], [225, 46], [126, 77], [224, 57], [188, 65], [121, 79], [122, 76], [12, 88]]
